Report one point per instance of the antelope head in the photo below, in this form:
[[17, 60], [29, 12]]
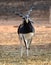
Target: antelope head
[[26, 17]]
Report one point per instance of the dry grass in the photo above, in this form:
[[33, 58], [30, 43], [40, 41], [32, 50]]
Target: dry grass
[[10, 55]]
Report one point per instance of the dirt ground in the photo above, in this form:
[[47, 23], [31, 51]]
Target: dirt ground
[[8, 34]]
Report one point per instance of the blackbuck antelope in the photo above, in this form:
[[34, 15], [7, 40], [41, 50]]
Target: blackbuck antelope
[[26, 32]]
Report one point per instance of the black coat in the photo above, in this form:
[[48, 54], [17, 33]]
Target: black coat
[[25, 28]]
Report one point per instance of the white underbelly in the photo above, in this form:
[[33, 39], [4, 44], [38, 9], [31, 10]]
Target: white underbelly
[[27, 36]]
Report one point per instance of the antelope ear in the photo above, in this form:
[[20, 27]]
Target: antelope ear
[[32, 22], [20, 14]]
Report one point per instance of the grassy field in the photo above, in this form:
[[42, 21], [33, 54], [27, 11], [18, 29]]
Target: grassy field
[[10, 55]]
